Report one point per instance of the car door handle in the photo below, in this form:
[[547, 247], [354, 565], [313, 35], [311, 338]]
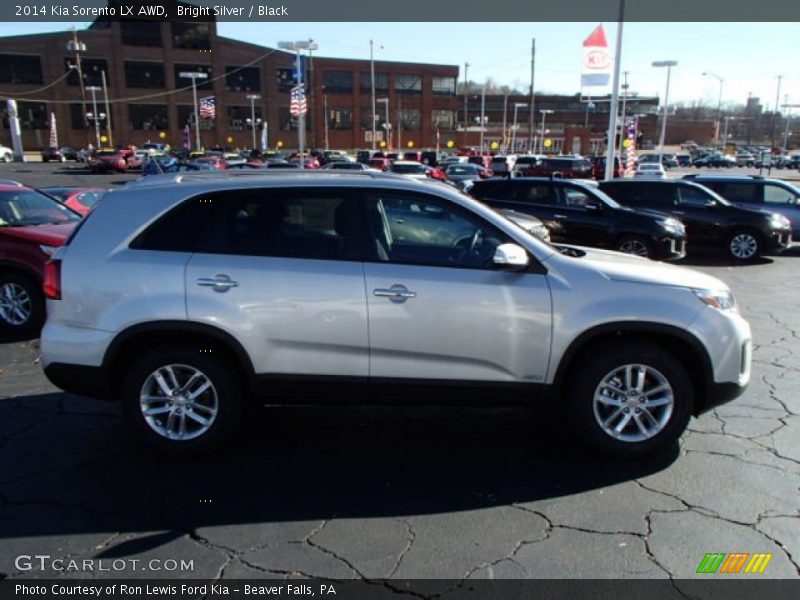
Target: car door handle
[[220, 283], [560, 216], [395, 293]]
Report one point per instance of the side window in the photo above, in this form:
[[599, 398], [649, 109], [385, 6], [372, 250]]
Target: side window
[[692, 196], [775, 194], [410, 228], [180, 229], [310, 223], [575, 198], [738, 192], [538, 194], [501, 190]]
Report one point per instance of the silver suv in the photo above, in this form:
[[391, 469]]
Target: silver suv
[[185, 298]]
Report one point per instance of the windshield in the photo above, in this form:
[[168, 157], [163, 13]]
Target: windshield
[[604, 197], [408, 168], [28, 207], [461, 170]]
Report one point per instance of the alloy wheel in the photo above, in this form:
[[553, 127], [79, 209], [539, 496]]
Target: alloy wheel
[[16, 306], [635, 247], [633, 403], [179, 402], [744, 246]]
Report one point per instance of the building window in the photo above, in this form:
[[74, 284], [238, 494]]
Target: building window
[[240, 117], [92, 69], [144, 74], [443, 119], [191, 36], [32, 115], [410, 118], [340, 119], [243, 79], [381, 82], [202, 84], [286, 79], [408, 84], [186, 116], [338, 82], [140, 33], [148, 117], [444, 86], [20, 68]]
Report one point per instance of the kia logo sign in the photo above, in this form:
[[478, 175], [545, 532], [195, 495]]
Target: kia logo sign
[[597, 60]]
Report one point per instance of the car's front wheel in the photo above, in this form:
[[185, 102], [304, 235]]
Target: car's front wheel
[[744, 245], [21, 304], [181, 400], [630, 399], [637, 245]]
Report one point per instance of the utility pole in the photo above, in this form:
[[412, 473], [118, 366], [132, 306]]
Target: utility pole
[[775, 112], [624, 99], [108, 112], [531, 124], [505, 120], [372, 80], [78, 47], [466, 102]]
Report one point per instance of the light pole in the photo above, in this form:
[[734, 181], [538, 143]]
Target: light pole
[[108, 112], [194, 76], [788, 118], [76, 46], [372, 80], [517, 106], [94, 115], [775, 112], [301, 118], [669, 64], [325, 102], [483, 117], [719, 99], [466, 101], [387, 126], [725, 133], [625, 88], [544, 112], [253, 98]]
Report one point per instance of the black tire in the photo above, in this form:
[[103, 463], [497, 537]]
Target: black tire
[[594, 366], [638, 245], [226, 388], [45, 159], [742, 240], [34, 306]]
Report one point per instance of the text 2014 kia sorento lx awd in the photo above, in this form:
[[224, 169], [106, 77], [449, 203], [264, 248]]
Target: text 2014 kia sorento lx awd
[[187, 299]]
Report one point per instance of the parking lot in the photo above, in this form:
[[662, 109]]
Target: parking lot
[[394, 493]]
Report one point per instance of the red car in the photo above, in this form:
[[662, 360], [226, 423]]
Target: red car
[[108, 160], [382, 164], [599, 168], [214, 162], [79, 199], [309, 162], [32, 227]]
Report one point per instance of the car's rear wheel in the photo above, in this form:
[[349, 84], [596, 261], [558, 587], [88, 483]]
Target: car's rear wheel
[[181, 400], [630, 399], [744, 245], [21, 304], [635, 244]]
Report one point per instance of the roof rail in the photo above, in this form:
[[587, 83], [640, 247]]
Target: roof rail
[[197, 176]]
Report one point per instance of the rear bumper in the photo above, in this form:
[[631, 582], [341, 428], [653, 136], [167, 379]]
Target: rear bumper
[[719, 393], [79, 379]]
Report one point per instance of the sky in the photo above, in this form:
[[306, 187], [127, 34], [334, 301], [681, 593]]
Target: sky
[[747, 56]]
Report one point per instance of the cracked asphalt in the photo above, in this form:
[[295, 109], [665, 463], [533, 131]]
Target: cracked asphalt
[[444, 495]]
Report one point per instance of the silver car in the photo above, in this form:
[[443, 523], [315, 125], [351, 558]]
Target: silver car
[[189, 297]]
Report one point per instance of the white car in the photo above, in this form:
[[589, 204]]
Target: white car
[[6, 154], [650, 171]]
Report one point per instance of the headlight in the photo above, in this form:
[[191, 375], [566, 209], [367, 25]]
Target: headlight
[[777, 221], [673, 226], [719, 299], [49, 250]]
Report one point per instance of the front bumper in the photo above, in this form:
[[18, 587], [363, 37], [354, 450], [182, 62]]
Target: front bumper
[[779, 240], [670, 248]]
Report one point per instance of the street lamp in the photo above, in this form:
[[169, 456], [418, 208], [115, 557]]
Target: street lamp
[[253, 98], [194, 76], [544, 112], [719, 100], [94, 115], [517, 106], [387, 125], [301, 118], [669, 64]]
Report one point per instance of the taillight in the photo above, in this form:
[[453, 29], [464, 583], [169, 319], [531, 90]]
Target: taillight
[[52, 279]]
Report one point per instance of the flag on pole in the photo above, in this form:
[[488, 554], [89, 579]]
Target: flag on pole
[[264, 138], [187, 143], [53, 131], [298, 105], [208, 109], [597, 61]]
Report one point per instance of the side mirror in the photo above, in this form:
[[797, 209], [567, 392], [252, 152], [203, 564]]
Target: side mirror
[[510, 257]]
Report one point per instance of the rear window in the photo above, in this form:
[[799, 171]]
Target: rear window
[[406, 169], [19, 208]]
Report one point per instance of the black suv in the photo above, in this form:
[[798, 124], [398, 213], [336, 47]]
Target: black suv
[[710, 219], [761, 193], [579, 213]]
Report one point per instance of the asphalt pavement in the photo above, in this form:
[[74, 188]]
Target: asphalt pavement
[[447, 495]]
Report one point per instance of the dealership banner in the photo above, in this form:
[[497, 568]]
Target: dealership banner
[[597, 61]]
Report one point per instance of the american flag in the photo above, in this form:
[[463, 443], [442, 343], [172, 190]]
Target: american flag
[[208, 109], [298, 105]]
